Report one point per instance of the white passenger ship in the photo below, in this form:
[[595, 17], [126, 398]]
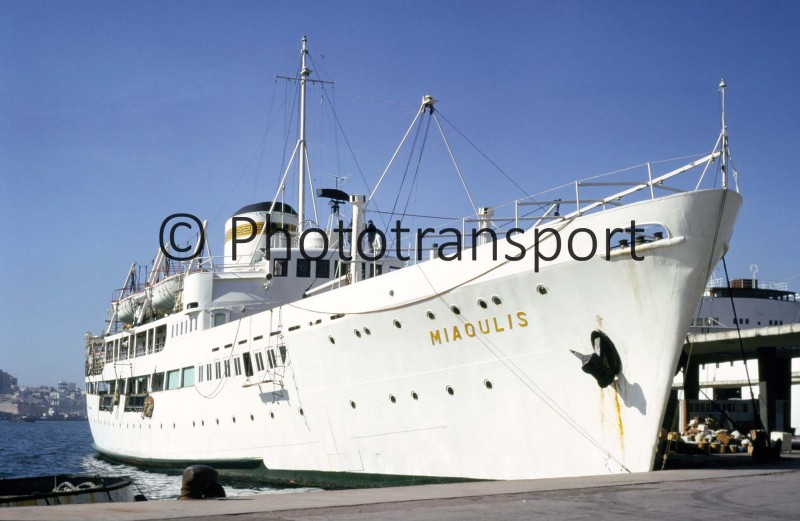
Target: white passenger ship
[[758, 303], [338, 372]]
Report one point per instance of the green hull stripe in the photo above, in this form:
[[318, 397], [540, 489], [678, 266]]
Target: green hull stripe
[[254, 470]]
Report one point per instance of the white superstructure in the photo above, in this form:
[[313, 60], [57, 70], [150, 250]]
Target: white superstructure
[[319, 369]]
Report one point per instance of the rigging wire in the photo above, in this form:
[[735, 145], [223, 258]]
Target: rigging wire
[[415, 180], [483, 154], [260, 146], [756, 419]]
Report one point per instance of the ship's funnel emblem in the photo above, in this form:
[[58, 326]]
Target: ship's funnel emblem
[[604, 363]]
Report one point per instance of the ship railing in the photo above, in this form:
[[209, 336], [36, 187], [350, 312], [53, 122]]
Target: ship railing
[[587, 195], [773, 284], [573, 200], [139, 287]]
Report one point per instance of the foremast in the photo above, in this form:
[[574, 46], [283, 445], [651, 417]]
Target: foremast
[[301, 141]]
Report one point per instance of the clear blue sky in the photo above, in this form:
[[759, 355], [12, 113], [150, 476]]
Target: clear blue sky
[[116, 114]]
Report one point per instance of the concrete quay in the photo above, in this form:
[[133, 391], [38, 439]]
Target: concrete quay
[[767, 491]]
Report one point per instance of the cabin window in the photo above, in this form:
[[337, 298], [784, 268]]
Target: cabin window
[[219, 318], [259, 361], [217, 370], [280, 268], [142, 384], [227, 366], [173, 379], [237, 366], [158, 382], [161, 337], [303, 268], [200, 373], [134, 403], [208, 372], [271, 358], [248, 365], [187, 376], [323, 269]]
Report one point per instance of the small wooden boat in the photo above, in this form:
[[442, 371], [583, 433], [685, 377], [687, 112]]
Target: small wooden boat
[[65, 489]]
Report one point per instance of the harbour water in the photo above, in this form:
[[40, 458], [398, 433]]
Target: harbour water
[[65, 447]]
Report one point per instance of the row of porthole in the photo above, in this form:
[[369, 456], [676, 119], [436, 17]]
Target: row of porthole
[[194, 423], [487, 383], [415, 396], [496, 300]]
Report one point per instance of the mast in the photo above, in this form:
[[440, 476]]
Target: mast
[[722, 86], [303, 154]]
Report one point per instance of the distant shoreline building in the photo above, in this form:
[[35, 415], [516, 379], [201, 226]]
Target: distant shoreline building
[[65, 401]]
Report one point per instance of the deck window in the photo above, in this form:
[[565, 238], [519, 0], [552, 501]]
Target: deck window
[[187, 377], [280, 268], [173, 379], [303, 268], [323, 269], [259, 361], [217, 370], [140, 387], [248, 365], [227, 366], [158, 382], [237, 366], [219, 318]]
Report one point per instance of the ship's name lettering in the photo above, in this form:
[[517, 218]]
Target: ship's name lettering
[[496, 324]]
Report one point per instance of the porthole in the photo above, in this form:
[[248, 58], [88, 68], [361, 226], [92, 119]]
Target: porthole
[[497, 300], [392, 398], [397, 324], [301, 412], [352, 404], [488, 384], [367, 331], [391, 293], [455, 309], [331, 340], [482, 303], [272, 415], [450, 391], [357, 333], [193, 425], [234, 419], [173, 425], [431, 315], [217, 421], [202, 423], [541, 289], [252, 418], [414, 395], [160, 425]]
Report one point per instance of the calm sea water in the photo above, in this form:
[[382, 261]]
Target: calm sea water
[[60, 447]]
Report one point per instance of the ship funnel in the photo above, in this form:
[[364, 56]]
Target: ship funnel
[[245, 233]]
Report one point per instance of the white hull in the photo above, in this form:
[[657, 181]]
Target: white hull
[[542, 417]]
